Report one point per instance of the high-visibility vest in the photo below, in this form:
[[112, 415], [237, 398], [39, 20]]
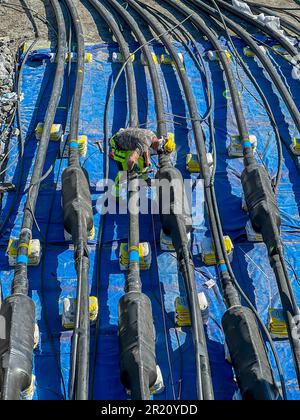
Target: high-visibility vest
[[121, 156]]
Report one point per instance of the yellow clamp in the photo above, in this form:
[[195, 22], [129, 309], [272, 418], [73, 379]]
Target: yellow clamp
[[91, 234], [170, 144], [13, 247], [296, 143], [55, 131]]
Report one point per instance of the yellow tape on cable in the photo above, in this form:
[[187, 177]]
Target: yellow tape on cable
[[144, 254], [34, 252]]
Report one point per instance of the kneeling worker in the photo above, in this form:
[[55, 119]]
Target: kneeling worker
[[131, 148]]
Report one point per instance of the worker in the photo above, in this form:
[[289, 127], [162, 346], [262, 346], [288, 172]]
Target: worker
[[131, 147]]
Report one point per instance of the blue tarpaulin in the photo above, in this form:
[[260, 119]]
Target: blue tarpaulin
[[55, 278]]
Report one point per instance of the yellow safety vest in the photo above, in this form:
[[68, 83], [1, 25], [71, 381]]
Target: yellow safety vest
[[122, 156]]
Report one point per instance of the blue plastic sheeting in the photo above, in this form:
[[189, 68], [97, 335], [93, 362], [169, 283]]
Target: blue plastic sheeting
[[55, 278]]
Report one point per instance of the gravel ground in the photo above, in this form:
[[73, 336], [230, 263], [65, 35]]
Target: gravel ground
[[7, 97]]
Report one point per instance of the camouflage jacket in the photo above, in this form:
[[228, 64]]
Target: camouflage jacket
[[138, 139]]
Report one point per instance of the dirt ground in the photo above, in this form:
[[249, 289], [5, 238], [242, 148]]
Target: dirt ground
[[18, 24]]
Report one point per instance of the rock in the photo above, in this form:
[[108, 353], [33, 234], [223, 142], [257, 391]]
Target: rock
[[7, 108], [7, 96]]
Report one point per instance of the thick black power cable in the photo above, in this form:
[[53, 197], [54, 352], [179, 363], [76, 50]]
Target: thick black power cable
[[18, 76], [229, 75], [108, 17], [122, 69], [288, 11], [263, 97], [49, 219], [22, 140], [241, 33], [155, 38], [144, 45], [161, 121], [285, 23], [200, 64], [12, 386], [263, 58], [7, 132], [197, 128], [286, 284], [241, 291], [45, 243], [78, 221], [42, 149], [281, 39], [110, 21], [198, 60], [161, 130]]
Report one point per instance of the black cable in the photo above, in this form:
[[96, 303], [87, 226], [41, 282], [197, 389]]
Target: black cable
[[190, 100], [43, 301], [132, 97], [46, 240], [20, 282], [11, 386], [161, 129], [199, 62], [263, 97], [264, 28], [133, 120], [238, 115], [116, 81], [285, 23], [80, 222], [31, 18], [275, 265], [7, 133], [265, 105], [161, 132]]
